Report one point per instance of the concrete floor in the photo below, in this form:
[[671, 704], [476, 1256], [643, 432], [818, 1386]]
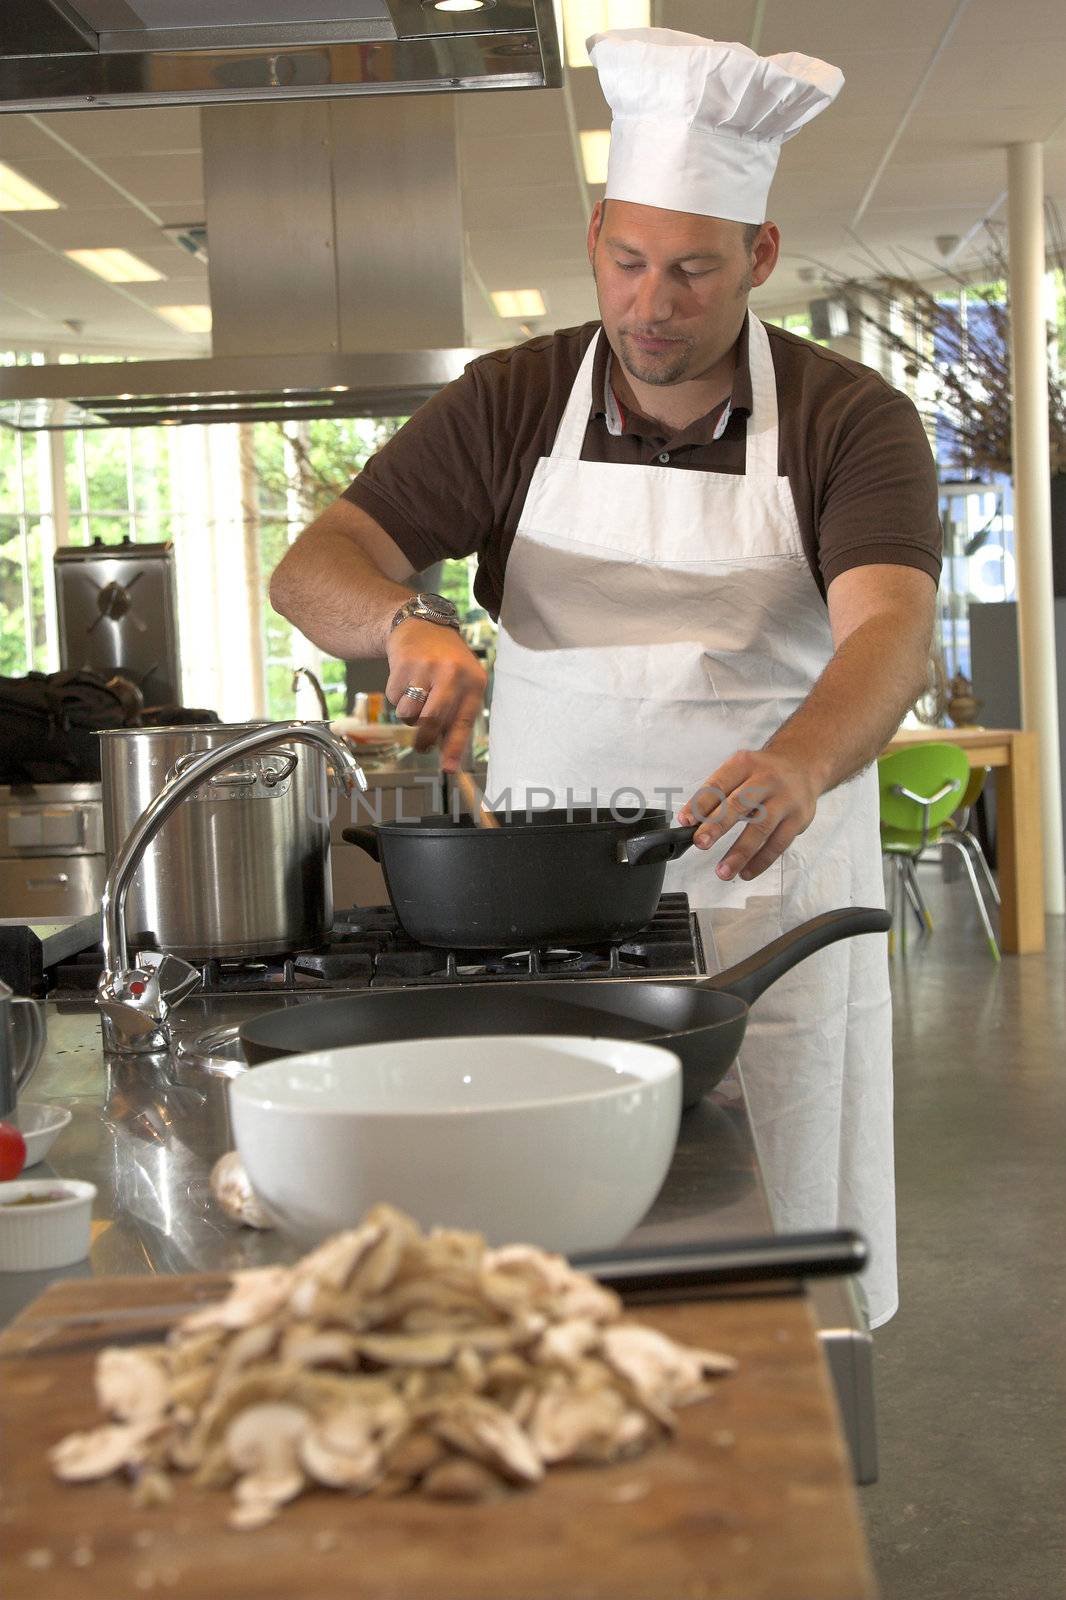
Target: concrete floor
[[971, 1373]]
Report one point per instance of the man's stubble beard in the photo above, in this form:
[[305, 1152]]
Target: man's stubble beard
[[660, 377], [677, 371]]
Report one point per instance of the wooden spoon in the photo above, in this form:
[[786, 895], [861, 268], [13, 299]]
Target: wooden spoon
[[475, 801]]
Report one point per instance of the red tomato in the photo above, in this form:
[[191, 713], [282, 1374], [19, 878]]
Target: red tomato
[[12, 1152]]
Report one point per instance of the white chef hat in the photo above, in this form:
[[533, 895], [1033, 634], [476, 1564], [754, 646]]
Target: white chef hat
[[698, 124]]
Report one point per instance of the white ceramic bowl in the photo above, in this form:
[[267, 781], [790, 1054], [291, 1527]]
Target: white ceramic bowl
[[556, 1141], [54, 1235], [40, 1126]]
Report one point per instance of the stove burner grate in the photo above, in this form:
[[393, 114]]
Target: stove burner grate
[[368, 949]]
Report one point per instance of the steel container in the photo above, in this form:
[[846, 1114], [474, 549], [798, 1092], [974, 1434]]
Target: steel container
[[242, 868]]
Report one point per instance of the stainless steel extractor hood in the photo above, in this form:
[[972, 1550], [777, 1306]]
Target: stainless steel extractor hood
[[58, 55], [254, 388], [334, 240]]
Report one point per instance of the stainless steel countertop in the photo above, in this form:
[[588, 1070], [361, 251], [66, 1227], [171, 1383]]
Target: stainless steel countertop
[[147, 1135]]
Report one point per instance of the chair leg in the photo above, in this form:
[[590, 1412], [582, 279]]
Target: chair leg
[[913, 893], [956, 844], [921, 910], [901, 902], [974, 845]]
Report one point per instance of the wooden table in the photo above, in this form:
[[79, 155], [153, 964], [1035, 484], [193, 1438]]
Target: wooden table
[[751, 1501], [1014, 758]]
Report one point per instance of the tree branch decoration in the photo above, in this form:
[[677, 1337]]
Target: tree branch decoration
[[963, 357]]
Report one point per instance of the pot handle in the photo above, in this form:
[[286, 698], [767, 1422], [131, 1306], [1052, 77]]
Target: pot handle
[[749, 978], [365, 838], [662, 844], [260, 770]]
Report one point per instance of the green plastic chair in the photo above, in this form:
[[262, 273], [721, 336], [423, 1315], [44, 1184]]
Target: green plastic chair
[[920, 789], [959, 821]]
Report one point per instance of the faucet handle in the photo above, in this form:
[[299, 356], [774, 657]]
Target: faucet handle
[[135, 1002]]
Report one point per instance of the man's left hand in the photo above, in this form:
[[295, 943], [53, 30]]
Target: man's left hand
[[774, 791]]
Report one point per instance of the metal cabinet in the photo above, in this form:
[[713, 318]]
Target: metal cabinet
[[39, 887], [51, 850]]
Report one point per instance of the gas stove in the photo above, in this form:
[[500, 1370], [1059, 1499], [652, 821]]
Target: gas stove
[[369, 950]]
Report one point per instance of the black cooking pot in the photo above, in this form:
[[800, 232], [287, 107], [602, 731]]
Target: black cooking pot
[[541, 878]]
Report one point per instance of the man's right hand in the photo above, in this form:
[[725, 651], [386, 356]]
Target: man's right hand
[[427, 656]]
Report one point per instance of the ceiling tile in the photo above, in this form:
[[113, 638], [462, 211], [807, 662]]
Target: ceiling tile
[[19, 139], [833, 31], [986, 24], [934, 185], [58, 287], [149, 129], [1019, 74], [507, 161], [115, 227], [70, 182], [556, 205], [510, 114], [169, 179], [728, 19], [945, 131]]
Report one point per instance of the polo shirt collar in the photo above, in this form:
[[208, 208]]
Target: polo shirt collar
[[699, 432]]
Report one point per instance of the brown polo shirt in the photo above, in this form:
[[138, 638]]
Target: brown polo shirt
[[453, 481]]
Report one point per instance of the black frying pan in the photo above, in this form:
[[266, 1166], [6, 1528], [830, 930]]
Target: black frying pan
[[702, 1021]]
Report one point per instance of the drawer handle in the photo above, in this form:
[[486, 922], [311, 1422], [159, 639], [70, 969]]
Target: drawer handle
[[58, 881]]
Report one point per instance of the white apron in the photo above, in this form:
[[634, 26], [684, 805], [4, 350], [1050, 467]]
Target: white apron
[[655, 621]]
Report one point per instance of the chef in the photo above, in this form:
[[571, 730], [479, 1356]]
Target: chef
[[713, 548]]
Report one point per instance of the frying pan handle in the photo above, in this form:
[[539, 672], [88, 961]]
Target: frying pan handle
[[749, 978], [662, 844], [365, 838]]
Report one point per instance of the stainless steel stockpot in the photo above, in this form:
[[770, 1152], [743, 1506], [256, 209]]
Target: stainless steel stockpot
[[243, 867]]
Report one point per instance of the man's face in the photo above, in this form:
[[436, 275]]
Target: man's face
[[673, 287]]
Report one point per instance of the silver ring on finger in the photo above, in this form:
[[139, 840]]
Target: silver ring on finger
[[414, 691]]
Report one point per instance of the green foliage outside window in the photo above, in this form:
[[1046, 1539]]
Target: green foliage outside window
[[295, 485], [118, 485], [19, 488]]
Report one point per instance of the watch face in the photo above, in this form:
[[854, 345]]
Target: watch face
[[437, 603]]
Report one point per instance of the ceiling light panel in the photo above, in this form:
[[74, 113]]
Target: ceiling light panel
[[518, 303], [19, 194], [115, 266], [190, 319], [595, 148], [584, 17]]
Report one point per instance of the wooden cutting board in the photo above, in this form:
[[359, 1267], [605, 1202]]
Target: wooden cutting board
[[753, 1500]]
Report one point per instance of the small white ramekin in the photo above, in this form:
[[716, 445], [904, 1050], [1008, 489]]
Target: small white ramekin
[[40, 1126], [53, 1235]]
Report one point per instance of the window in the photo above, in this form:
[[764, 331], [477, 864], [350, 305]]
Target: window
[[230, 497], [27, 541]]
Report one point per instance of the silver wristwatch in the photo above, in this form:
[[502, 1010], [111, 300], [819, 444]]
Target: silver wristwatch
[[427, 608]]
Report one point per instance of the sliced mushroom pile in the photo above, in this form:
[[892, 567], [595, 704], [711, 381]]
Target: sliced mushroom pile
[[387, 1361]]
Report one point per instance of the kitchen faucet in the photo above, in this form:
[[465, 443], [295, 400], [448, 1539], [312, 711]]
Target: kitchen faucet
[[135, 1001], [305, 672]]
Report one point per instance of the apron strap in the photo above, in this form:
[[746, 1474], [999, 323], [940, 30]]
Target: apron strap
[[761, 456], [571, 435]]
